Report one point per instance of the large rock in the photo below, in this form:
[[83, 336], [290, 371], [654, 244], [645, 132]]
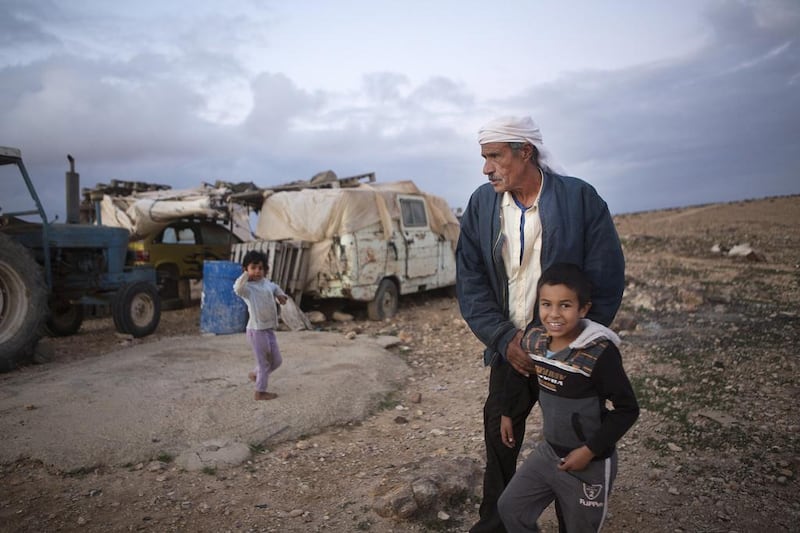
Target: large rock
[[419, 490], [213, 454]]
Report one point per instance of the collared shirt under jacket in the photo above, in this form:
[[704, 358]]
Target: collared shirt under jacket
[[576, 228]]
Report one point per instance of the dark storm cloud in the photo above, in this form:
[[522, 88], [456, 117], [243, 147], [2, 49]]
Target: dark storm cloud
[[721, 124], [19, 26], [276, 100], [443, 90], [119, 120], [87, 106]]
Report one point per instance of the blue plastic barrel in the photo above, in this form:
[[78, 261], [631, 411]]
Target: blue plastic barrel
[[221, 311]]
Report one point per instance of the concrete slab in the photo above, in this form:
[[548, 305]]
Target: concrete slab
[[177, 394]]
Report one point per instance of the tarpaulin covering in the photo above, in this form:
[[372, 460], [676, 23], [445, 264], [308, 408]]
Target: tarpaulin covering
[[316, 215], [143, 213]]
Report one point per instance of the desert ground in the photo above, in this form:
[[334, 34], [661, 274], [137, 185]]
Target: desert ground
[[709, 340]]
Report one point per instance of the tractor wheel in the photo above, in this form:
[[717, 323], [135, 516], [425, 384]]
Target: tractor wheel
[[136, 309], [65, 319], [23, 303], [384, 305]]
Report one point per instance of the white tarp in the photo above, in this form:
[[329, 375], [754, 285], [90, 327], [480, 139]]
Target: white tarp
[[145, 212], [317, 215]]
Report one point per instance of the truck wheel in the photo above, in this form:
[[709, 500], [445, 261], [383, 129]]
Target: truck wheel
[[136, 309], [451, 291], [23, 303], [65, 319], [384, 305], [167, 281]]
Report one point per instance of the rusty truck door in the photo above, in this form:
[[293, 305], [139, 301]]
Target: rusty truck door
[[421, 244]]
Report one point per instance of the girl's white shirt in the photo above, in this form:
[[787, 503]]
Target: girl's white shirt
[[260, 299]]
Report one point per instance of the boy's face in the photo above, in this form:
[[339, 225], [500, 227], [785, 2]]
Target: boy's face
[[255, 271], [561, 313]]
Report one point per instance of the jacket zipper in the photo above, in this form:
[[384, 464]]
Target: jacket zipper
[[498, 242]]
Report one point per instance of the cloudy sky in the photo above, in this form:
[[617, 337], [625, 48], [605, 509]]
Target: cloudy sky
[[657, 104]]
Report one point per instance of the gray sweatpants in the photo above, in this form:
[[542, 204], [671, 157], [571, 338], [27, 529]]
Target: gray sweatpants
[[583, 495]]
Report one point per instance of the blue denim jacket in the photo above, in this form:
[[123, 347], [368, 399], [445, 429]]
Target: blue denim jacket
[[576, 228]]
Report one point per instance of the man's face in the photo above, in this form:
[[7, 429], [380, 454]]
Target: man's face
[[504, 167]]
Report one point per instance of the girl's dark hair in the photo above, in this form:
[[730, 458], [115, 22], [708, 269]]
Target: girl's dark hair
[[570, 275], [254, 256]]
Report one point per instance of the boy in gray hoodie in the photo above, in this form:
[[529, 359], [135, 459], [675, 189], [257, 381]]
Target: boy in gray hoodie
[[578, 368]]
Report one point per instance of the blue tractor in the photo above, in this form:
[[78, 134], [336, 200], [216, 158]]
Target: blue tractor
[[50, 273]]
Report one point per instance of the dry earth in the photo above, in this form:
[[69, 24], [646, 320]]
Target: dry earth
[[710, 342]]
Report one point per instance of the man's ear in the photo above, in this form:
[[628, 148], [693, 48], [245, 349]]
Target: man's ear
[[527, 151], [534, 153], [585, 309]]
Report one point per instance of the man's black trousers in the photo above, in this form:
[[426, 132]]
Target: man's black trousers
[[501, 461]]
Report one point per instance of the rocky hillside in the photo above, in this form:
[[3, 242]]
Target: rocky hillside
[[710, 330]]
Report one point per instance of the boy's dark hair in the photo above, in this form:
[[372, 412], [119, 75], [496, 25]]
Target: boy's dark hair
[[254, 256], [570, 275]]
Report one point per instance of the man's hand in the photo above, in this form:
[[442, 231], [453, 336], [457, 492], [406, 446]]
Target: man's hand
[[577, 459], [282, 299], [517, 356], [507, 431]]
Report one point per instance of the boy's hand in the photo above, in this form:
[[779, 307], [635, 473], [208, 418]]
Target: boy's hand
[[507, 431], [282, 299], [577, 459]]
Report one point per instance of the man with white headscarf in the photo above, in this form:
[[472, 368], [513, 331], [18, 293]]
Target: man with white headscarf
[[528, 217]]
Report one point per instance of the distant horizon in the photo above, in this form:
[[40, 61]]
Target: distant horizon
[[58, 211], [704, 204]]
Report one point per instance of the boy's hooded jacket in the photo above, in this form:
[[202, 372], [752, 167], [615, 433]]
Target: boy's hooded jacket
[[574, 385]]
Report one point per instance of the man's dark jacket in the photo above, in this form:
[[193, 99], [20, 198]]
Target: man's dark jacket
[[576, 228]]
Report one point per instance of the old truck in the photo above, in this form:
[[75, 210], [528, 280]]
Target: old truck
[[172, 230], [357, 239], [49, 272]]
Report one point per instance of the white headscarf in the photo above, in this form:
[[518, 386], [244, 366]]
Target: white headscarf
[[519, 129]]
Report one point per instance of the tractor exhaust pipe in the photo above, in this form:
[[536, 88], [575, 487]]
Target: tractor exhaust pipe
[[73, 182]]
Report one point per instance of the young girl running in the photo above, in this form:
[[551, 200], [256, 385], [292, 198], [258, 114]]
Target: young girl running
[[260, 295]]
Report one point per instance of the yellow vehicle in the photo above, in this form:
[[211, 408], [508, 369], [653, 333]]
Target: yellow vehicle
[[178, 250]]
